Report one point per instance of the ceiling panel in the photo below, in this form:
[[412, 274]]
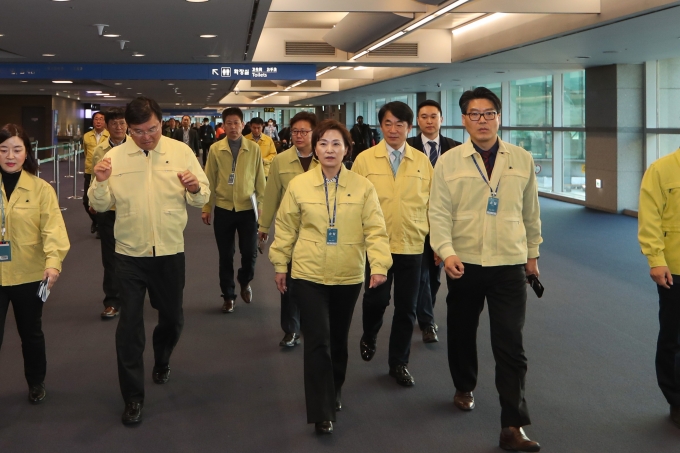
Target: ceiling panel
[[302, 20]]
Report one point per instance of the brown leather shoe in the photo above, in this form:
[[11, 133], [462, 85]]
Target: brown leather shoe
[[247, 294], [514, 439], [464, 401], [109, 312], [228, 306], [675, 415]]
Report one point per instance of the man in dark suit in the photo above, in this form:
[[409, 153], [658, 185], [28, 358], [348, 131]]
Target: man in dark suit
[[361, 137], [433, 144], [188, 135], [207, 138]]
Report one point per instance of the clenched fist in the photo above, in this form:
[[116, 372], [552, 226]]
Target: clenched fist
[[189, 181], [102, 171]]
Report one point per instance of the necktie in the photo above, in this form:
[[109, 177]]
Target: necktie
[[396, 161], [487, 162], [434, 152]]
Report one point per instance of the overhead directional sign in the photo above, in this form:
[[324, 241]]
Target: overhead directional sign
[[240, 71]]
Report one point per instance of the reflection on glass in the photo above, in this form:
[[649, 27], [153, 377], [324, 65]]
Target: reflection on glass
[[452, 109], [531, 102], [668, 143], [669, 93], [574, 161], [574, 99], [455, 134], [540, 145]]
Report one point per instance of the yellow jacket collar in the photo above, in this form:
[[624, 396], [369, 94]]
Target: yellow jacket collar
[[319, 176], [295, 156], [381, 150], [469, 149]]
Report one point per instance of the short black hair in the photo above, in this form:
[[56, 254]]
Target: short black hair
[[206, 120], [304, 116], [360, 117], [187, 117], [430, 103], [13, 130], [479, 93], [98, 113], [257, 120], [397, 108], [232, 111], [141, 109], [114, 113]]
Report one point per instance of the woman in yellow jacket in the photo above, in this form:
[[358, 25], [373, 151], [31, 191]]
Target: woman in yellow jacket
[[34, 244], [328, 221]]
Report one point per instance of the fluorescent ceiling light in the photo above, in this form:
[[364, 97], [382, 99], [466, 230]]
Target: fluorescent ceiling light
[[109, 96], [111, 36], [421, 22], [93, 92], [23, 81], [208, 36], [345, 68], [325, 70], [48, 55], [138, 55], [478, 23], [212, 56], [360, 68], [118, 83], [62, 81], [448, 8], [197, 1], [359, 55], [385, 41]]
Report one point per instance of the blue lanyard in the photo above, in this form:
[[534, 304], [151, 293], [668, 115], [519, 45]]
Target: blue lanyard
[[335, 200], [493, 194]]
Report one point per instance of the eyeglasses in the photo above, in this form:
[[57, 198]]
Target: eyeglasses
[[476, 116], [141, 133], [120, 123], [300, 132]]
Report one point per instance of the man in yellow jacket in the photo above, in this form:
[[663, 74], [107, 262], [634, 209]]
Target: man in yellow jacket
[[402, 177], [485, 225], [236, 176], [266, 144], [286, 166], [91, 140], [659, 236], [150, 179]]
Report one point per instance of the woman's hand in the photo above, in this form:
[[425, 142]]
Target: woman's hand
[[377, 280], [280, 280], [53, 275]]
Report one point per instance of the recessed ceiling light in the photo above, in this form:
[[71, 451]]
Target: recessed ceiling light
[[42, 89], [208, 36], [139, 93], [128, 88], [213, 84], [23, 81], [138, 55], [111, 36], [109, 96], [1, 35], [118, 83], [189, 103], [212, 56], [93, 92], [62, 81], [48, 55], [176, 103], [171, 84]]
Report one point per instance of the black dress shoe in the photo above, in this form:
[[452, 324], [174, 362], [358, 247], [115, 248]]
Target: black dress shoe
[[228, 306], [338, 402], [400, 372], [161, 375], [290, 340], [247, 294], [323, 427], [93, 228], [675, 415], [367, 347], [132, 413], [36, 393], [430, 335]]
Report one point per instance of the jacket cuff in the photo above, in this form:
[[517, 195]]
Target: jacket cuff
[[446, 251], [54, 263], [656, 261], [378, 271], [206, 209], [533, 252], [281, 269], [262, 229]]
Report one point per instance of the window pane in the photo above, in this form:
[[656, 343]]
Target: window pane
[[531, 102], [455, 134], [668, 143], [669, 93], [539, 144], [494, 87], [574, 158], [574, 105]]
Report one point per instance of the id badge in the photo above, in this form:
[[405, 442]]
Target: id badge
[[231, 179], [5, 252], [332, 236], [492, 206]]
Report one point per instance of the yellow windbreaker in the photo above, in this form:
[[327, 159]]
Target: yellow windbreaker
[[267, 149]]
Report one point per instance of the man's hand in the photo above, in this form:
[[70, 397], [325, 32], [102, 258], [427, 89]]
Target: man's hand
[[205, 216], [53, 275], [453, 267], [189, 181], [437, 260], [377, 280], [280, 280], [102, 171], [262, 237], [91, 210], [531, 267], [662, 276]]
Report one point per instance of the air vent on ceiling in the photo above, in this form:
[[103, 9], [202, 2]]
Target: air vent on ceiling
[[309, 48], [397, 49]]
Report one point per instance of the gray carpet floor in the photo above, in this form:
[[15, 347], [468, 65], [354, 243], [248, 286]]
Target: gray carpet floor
[[590, 342]]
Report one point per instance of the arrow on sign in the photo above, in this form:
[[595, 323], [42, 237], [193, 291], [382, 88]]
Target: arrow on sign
[[215, 72]]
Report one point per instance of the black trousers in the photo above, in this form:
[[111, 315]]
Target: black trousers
[[430, 281], [326, 314], [206, 148], [405, 273], [86, 199], [111, 285], [290, 312], [163, 277], [504, 288], [226, 224], [668, 344], [28, 316]]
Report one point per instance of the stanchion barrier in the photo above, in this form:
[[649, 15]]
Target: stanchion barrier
[[70, 156], [76, 152], [43, 161], [58, 157], [55, 165]]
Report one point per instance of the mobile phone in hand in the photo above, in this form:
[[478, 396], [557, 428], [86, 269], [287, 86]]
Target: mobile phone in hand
[[535, 285]]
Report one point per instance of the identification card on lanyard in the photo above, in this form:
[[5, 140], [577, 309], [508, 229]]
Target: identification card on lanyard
[[492, 202], [232, 176], [5, 247], [331, 232]]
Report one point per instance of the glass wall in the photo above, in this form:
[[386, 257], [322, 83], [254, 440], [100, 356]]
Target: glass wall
[[574, 99], [574, 158], [531, 102]]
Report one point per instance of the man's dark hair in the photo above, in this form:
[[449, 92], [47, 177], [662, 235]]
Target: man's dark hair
[[232, 111], [360, 117], [257, 120], [397, 108], [114, 113], [327, 125], [12, 130], [187, 116], [206, 120], [141, 110], [479, 93], [430, 103], [98, 113], [304, 116]]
